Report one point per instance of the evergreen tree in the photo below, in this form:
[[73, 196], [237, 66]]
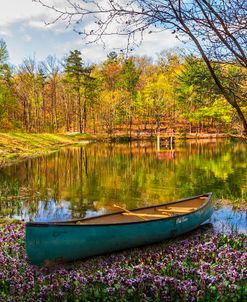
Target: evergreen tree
[[128, 82], [4, 55], [75, 72]]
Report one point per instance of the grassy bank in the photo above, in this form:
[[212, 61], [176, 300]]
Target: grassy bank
[[14, 146], [17, 146]]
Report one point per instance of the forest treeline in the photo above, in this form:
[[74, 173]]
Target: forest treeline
[[122, 95]]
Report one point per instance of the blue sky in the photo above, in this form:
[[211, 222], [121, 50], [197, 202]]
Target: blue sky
[[22, 26]]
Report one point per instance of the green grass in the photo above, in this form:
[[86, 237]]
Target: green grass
[[14, 146]]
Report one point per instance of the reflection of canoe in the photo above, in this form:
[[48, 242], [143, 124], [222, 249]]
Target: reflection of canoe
[[54, 242]]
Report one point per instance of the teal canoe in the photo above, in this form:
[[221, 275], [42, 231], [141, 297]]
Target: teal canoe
[[61, 241]]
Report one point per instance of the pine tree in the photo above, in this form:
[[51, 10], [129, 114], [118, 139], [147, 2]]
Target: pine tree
[[75, 72]]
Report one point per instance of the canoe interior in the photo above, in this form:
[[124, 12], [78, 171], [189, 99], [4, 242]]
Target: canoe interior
[[146, 214], [185, 206]]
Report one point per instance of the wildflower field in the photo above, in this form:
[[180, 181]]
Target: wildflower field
[[204, 266]]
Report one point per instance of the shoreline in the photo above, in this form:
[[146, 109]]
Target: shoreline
[[15, 147]]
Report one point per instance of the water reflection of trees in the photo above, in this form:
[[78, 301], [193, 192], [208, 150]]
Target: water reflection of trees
[[93, 177]]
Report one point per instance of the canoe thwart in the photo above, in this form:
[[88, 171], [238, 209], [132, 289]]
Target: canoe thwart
[[176, 210], [127, 211]]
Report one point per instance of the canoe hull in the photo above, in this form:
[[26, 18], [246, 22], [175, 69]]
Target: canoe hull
[[56, 243]]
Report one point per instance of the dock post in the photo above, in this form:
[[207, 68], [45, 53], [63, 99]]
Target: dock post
[[158, 141], [172, 138]]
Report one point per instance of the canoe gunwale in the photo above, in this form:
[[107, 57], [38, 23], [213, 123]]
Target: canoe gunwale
[[72, 222]]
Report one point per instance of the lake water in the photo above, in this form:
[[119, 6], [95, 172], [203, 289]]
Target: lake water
[[84, 181]]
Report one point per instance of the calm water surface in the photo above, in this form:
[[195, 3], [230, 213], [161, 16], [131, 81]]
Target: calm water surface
[[86, 181]]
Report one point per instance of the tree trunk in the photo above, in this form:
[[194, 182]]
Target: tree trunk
[[158, 133], [242, 118], [84, 116], [80, 113], [130, 127]]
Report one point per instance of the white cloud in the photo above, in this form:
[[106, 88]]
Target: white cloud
[[156, 42], [27, 38], [13, 11], [39, 24], [22, 24], [5, 32], [26, 11], [43, 25], [151, 45]]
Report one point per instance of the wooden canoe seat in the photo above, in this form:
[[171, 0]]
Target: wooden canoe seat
[[176, 210]]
